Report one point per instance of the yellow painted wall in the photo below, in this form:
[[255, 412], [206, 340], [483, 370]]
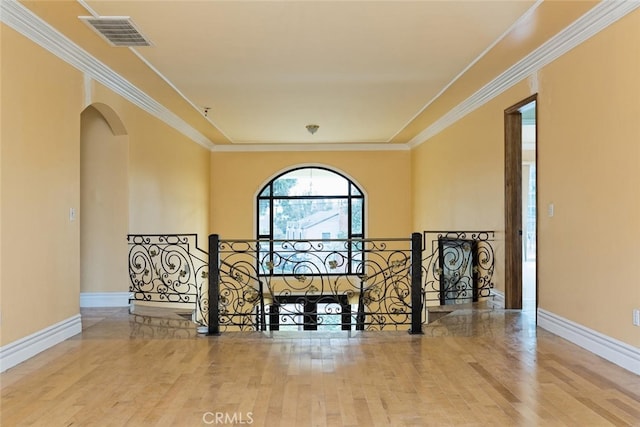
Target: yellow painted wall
[[236, 178], [104, 205], [41, 98], [589, 168], [40, 178], [458, 176], [168, 173]]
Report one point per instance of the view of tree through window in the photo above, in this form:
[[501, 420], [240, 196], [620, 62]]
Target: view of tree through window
[[313, 204]]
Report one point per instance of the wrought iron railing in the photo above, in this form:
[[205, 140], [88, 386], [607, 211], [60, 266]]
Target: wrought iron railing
[[458, 266], [331, 284], [169, 268], [339, 284]]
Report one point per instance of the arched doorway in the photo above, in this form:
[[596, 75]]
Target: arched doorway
[[104, 208]]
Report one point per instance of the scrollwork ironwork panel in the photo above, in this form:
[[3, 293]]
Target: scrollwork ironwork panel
[[333, 284], [315, 284], [168, 268], [458, 266]]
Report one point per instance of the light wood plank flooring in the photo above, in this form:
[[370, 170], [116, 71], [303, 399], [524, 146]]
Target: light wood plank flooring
[[473, 367]]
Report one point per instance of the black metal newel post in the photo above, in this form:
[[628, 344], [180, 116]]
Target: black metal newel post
[[416, 283], [263, 316], [360, 317], [214, 283], [474, 269]]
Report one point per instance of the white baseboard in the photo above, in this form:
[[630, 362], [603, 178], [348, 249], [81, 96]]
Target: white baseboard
[[104, 299], [615, 351], [167, 305], [27, 347], [498, 297]]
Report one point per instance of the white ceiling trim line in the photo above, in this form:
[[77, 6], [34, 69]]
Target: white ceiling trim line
[[89, 8], [159, 74], [595, 20], [471, 64], [31, 26], [309, 147], [179, 92]]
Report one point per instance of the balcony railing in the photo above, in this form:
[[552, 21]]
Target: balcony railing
[[336, 284], [459, 266], [168, 269], [332, 284]]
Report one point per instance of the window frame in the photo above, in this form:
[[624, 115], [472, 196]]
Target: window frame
[[350, 197]]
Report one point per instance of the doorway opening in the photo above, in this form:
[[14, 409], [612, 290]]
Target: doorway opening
[[104, 206], [529, 208], [520, 205]]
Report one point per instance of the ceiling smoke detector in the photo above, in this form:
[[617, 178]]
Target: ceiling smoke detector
[[312, 128], [118, 31]]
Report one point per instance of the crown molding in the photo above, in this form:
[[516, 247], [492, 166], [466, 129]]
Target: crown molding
[[513, 26], [595, 20], [31, 26], [239, 148], [25, 22]]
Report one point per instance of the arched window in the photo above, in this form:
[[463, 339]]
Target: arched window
[[310, 203]]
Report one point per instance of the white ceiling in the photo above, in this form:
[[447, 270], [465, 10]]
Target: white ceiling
[[361, 70]]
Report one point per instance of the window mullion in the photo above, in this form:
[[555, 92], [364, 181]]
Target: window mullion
[[306, 212], [271, 225]]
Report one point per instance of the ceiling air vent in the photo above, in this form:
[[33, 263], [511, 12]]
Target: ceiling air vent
[[117, 30]]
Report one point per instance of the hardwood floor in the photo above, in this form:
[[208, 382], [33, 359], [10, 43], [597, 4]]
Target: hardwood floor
[[473, 367]]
